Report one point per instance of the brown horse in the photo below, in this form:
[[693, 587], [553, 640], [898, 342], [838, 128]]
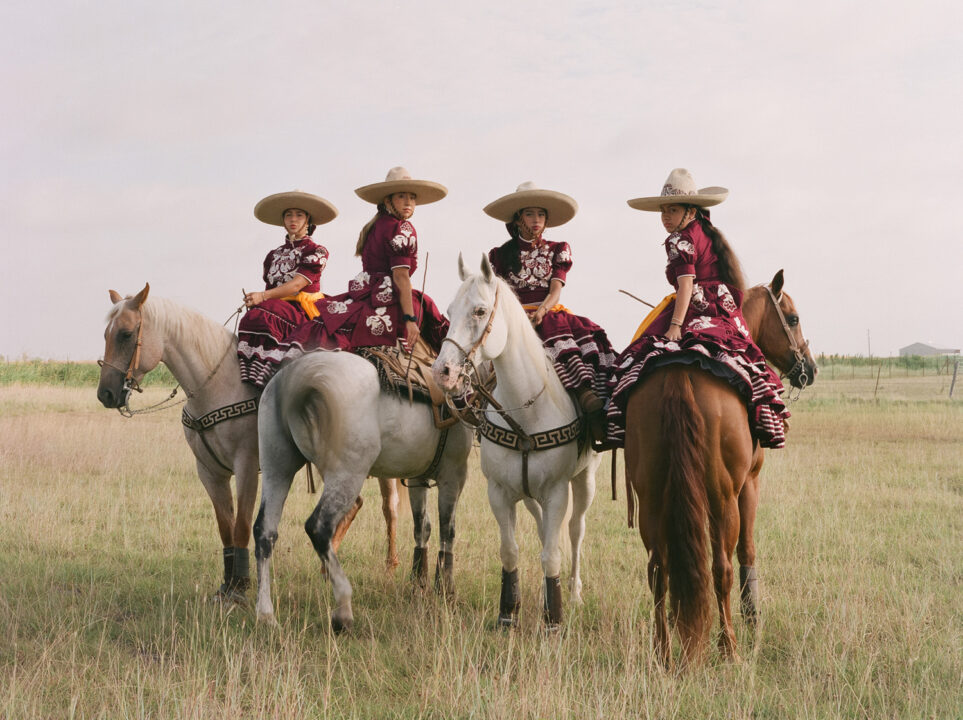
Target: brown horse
[[691, 460]]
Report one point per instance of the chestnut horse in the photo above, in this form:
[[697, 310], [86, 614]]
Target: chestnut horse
[[691, 460], [202, 357]]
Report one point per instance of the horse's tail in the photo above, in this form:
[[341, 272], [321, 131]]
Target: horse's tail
[[309, 398], [685, 510]]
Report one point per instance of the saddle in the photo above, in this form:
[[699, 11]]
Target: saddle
[[400, 372]]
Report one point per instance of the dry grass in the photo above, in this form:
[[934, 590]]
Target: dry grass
[[110, 555]]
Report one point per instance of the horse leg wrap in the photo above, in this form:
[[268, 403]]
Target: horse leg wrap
[[749, 592], [444, 581], [241, 572], [228, 571], [510, 600], [553, 601], [419, 567]]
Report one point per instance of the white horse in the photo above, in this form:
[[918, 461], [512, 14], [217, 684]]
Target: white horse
[[220, 420], [489, 324], [329, 408]]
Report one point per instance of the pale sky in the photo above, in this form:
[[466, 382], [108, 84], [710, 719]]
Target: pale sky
[[136, 138]]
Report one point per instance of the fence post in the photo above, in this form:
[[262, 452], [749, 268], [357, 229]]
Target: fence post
[[956, 367]]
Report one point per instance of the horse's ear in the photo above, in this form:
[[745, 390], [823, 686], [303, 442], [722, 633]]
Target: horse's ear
[[140, 297], [777, 283], [115, 296], [486, 267], [462, 270]]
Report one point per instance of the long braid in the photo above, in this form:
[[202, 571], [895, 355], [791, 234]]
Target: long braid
[[730, 269]]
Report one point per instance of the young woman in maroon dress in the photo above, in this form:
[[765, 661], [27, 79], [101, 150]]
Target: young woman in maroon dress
[[536, 269], [702, 323], [380, 306], [292, 275]]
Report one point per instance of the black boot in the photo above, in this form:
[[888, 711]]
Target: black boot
[[510, 600], [553, 603]]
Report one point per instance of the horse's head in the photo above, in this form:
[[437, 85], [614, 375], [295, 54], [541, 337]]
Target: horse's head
[[774, 325], [473, 336], [131, 349]]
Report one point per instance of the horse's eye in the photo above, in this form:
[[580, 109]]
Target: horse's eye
[[124, 335], [792, 320], [480, 311]]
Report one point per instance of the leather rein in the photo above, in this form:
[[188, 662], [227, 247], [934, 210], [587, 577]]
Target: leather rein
[[517, 438]]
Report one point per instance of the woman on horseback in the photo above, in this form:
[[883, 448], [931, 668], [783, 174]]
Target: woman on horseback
[[292, 275], [380, 306], [701, 323], [536, 269]]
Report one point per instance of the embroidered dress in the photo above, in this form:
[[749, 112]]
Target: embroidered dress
[[714, 336], [579, 349], [369, 314], [263, 330]]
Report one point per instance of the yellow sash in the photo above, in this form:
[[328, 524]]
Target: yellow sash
[[650, 318], [556, 308], [306, 300]]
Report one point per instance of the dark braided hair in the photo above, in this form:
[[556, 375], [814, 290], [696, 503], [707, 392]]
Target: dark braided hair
[[730, 269]]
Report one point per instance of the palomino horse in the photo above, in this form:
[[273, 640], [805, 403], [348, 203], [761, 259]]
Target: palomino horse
[[533, 445], [202, 356], [691, 460], [329, 409]]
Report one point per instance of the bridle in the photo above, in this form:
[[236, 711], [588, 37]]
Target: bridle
[[130, 382], [798, 371]]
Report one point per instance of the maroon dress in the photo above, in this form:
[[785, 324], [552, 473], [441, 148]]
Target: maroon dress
[[714, 336], [369, 314], [579, 349], [264, 329]]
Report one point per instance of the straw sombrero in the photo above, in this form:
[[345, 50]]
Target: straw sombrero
[[399, 180], [680, 189], [271, 209], [560, 207]]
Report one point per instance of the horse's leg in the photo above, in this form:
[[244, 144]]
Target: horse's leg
[[723, 532], [555, 506], [418, 497], [536, 510], [746, 549], [503, 507], [389, 508], [583, 492], [218, 487], [342, 529], [246, 479], [341, 489], [450, 485]]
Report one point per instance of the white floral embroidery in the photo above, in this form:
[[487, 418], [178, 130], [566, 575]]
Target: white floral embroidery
[[283, 264], [728, 302], [335, 307], [701, 323], [739, 324], [535, 270], [699, 298], [670, 245], [564, 255], [686, 247], [405, 238], [359, 281], [385, 292], [379, 323]]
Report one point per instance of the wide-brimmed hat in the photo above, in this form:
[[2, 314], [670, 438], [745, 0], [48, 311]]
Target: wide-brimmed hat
[[680, 189], [400, 180], [560, 207], [271, 209]]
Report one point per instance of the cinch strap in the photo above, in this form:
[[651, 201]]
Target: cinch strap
[[307, 302], [650, 318]]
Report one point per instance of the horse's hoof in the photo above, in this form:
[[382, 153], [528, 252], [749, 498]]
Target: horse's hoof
[[267, 620], [230, 597], [507, 622], [341, 625]]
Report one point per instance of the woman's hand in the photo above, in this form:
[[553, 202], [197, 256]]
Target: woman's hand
[[253, 298], [538, 315], [411, 334], [673, 333]]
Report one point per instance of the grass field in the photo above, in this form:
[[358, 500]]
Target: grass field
[[110, 556]]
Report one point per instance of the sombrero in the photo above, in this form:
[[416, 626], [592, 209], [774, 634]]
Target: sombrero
[[680, 189], [399, 180], [560, 207], [271, 209]]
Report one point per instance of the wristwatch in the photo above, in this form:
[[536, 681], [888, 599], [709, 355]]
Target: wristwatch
[[409, 318]]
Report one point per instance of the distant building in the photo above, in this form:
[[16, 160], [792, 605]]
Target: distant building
[[924, 350]]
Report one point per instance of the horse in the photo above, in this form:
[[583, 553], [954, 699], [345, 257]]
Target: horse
[[691, 461], [220, 421], [533, 451], [330, 409]]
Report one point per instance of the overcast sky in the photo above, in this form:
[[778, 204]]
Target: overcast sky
[[136, 137]]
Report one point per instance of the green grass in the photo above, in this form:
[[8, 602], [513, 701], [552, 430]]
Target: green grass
[[110, 556]]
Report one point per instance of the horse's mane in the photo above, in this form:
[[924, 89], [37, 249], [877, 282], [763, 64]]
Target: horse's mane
[[182, 324]]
